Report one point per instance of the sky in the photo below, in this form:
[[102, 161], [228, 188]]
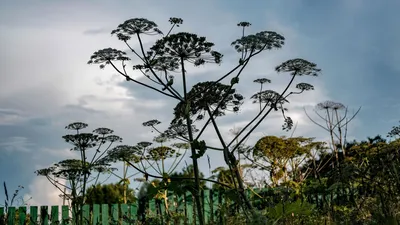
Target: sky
[[45, 82]]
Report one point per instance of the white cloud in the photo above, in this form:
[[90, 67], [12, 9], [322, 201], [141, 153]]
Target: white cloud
[[64, 153], [42, 192], [20, 144]]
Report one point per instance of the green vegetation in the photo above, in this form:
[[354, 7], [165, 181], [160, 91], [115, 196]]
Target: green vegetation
[[277, 180]]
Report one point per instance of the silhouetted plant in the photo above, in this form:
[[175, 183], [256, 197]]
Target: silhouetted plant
[[336, 119], [205, 100], [78, 173], [12, 201]]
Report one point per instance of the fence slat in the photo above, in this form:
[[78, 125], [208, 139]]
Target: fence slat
[[189, 208], [11, 216], [104, 214], [96, 214], [33, 215], [1, 213], [64, 215], [211, 200], [133, 212], [22, 215], [54, 215], [44, 215], [206, 204], [152, 205], [114, 213], [180, 207], [124, 214], [86, 214]]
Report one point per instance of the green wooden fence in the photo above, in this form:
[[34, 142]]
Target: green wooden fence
[[124, 214]]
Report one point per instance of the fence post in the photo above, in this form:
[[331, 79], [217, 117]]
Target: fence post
[[114, 213], [22, 215], [104, 214], [33, 215], [54, 214], [133, 212], [11, 215], [2, 216], [96, 214], [44, 215]]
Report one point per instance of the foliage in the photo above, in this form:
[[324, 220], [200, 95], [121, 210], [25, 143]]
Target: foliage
[[301, 180], [304, 184], [182, 186], [109, 194]]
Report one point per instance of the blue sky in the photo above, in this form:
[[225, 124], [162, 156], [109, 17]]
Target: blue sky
[[45, 82]]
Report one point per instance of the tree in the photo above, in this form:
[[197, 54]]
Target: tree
[[182, 186], [174, 52], [284, 157], [109, 194]]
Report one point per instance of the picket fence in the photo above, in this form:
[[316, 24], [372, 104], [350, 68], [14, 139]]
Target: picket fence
[[124, 214], [127, 214]]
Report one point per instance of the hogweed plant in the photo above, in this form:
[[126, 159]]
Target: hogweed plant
[[143, 157], [335, 120], [166, 63], [72, 176]]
